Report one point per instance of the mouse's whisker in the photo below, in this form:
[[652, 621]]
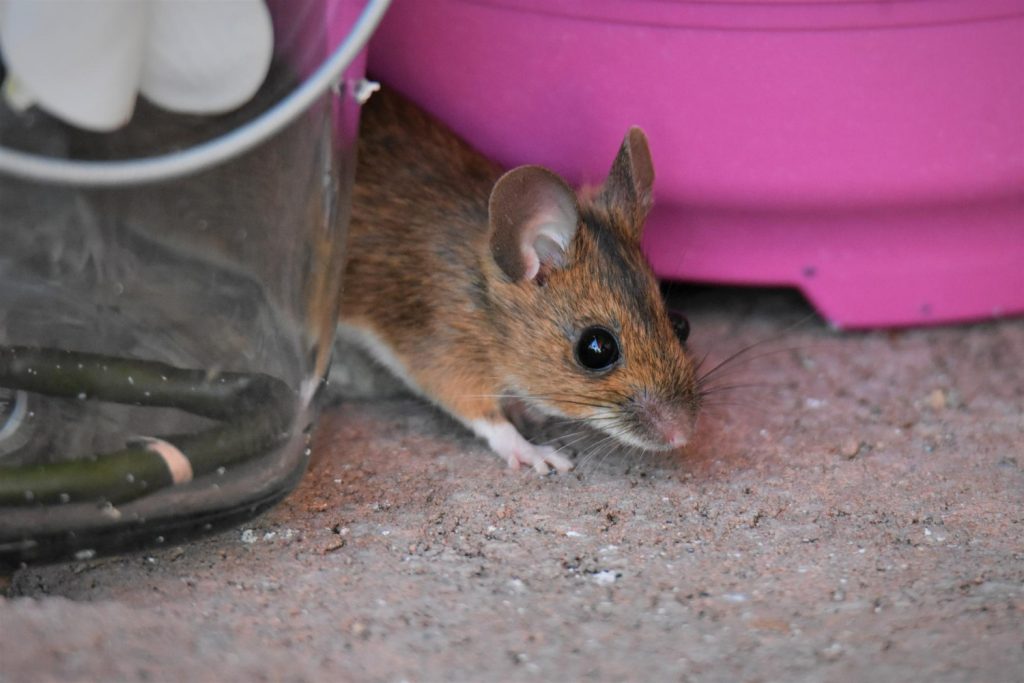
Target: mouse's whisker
[[716, 389], [519, 396], [599, 412], [584, 404], [737, 403], [595, 454], [700, 364], [600, 438], [736, 360], [604, 447], [746, 349], [610, 448], [598, 416], [567, 399], [572, 437], [601, 424], [576, 399], [572, 442]]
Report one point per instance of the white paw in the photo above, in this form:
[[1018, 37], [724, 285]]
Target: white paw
[[507, 442], [540, 458]]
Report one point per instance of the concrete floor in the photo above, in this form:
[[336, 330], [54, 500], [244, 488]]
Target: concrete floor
[[858, 516]]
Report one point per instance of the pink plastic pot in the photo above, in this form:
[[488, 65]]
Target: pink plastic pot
[[869, 153]]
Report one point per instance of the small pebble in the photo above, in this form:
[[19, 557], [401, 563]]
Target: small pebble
[[831, 653], [605, 577]]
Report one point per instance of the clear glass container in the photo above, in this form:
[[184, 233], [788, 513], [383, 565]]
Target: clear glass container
[[161, 343]]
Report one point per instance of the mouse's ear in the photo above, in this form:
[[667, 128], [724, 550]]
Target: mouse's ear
[[533, 216], [631, 179]]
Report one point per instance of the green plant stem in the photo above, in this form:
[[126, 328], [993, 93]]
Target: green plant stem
[[255, 411]]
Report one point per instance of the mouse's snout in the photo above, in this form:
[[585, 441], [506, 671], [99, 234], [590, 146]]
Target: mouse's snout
[[665, 424]]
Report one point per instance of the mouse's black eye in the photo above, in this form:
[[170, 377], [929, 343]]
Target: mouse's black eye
[[680, 325], [597, 349]]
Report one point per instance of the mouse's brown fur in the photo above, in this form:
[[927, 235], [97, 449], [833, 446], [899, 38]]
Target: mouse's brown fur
[[470, 294]]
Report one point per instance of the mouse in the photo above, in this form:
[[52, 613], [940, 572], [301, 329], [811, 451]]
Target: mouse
[[473, 284]]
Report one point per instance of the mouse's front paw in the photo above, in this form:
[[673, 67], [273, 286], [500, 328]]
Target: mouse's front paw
[[540, 458], [507, 442]]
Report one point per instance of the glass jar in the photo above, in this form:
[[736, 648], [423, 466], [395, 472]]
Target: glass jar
[[162, 335]]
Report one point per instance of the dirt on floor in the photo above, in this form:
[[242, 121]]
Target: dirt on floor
[[856, 514]]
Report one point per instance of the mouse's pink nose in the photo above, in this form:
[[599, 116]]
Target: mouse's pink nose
[[674, 433], [679, 439], [670, 424], [674, 429]]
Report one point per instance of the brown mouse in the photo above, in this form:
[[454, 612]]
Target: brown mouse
[[471, 285]]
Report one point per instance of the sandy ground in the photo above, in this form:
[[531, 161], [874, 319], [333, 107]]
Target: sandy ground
[[856, 517]]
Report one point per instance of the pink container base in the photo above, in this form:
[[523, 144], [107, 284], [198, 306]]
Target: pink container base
[[869, 153], [859, 269]]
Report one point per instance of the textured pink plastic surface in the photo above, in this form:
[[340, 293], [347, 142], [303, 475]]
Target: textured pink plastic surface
[[869, 153]]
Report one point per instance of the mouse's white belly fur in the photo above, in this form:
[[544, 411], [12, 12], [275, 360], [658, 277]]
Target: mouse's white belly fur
[[381, 352]]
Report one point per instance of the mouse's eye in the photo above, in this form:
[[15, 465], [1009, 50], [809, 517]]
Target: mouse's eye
[[597, 349], [680, 325]]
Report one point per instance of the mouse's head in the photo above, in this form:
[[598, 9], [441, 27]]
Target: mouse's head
[[582, 330]]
